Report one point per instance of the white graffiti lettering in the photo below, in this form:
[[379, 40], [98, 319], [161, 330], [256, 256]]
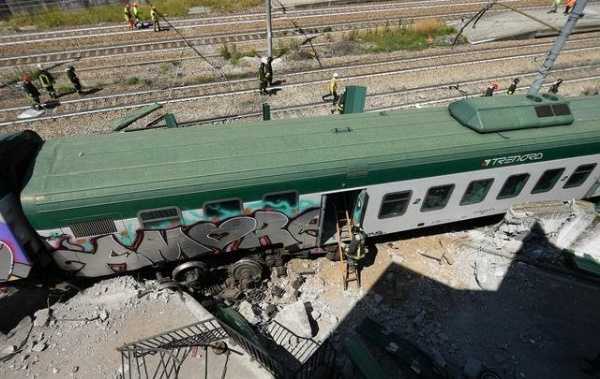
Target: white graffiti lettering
[[265, 228], [501, 161]]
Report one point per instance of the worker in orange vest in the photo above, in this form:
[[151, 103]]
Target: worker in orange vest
[[489, 91], [569, 6]]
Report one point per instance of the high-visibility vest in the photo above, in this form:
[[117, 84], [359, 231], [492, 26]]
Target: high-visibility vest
[[136, 11], [154, 15], [571, 3], [127, 12], [45, 80], [333, 85]]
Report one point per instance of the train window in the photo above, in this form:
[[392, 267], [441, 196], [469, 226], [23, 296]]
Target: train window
[[282, 201], [476, 191], [513, 186], [561, 110], [580, 175], [223, 209], [548, 180], [93, 228], [160, 218], [437, 197], [544, 111], [394, 204]]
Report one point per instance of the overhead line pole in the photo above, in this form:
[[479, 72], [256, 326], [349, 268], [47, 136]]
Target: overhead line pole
[[544, 70], [269, 29]]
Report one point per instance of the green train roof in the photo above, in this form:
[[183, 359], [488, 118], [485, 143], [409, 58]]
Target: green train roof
[[503, 113], [114, 176]]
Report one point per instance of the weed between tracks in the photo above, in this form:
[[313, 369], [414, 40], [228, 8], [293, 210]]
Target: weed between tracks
[[53, 17], [416, 36]]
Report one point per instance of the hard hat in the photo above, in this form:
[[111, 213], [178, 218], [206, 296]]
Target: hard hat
[[263, 60], [335, 75], [69, 68], [39, 65]]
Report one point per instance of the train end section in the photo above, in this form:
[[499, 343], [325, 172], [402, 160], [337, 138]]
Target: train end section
[[19, 245]]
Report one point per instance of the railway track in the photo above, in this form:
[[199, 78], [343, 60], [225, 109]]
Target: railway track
[[212, 39], [386, 67], [432, 98], [215, 58], [319, 108], [25, 38]]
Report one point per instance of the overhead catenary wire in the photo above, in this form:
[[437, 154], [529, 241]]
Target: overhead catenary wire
[[191, 46], [308, 39]]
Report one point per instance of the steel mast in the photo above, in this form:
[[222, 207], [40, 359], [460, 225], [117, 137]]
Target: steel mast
[[544, 70], [269, 31]]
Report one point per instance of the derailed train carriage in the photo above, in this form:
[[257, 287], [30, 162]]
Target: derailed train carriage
[[100, 205]]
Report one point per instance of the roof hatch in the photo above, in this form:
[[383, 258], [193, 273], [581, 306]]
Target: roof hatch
[[502, 113]]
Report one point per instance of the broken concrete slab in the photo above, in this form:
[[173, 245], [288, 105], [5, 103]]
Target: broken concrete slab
[[41, 318], [245, 309], [295, 318]]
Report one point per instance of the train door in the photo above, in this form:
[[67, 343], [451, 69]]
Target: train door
[[338, 205]]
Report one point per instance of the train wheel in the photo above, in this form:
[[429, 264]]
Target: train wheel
[[190, 272], [247, 272]]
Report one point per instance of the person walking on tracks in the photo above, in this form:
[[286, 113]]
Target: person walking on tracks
[[155, 19], [489, 91], [47, 81], [128, 16], [569, 6], [333, 87], [72, 75], [554, 87], [513, 86], [136, 13], [262, 77], [555, 5], [31, 91]]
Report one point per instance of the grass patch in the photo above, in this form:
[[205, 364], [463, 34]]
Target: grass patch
[[65, 88], [232, 54], [132, 81], [417, 36], [57, 17]]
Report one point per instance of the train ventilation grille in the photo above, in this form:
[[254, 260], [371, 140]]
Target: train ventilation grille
[[93, 228]]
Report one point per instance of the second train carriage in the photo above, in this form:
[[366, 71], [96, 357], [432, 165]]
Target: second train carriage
[[120, 202]]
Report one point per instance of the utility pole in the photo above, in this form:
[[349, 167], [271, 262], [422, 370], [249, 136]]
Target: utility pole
[[566, 30], [269, 31]]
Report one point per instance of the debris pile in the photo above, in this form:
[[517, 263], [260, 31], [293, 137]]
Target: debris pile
[[81, 334]]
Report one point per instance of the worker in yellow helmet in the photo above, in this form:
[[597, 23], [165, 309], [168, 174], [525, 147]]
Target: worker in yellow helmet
[[333, 87]]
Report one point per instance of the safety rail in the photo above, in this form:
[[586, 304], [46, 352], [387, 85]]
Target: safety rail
[[281, 352], [163, 355]]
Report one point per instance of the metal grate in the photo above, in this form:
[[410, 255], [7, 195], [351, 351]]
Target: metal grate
[[159, 214], [93, 228], [561, 110], [544, 111]]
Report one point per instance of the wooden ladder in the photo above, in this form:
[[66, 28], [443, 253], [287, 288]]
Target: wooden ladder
[[343, 235]]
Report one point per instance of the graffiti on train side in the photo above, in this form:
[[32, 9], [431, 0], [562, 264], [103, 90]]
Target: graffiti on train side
[[263, 228]]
